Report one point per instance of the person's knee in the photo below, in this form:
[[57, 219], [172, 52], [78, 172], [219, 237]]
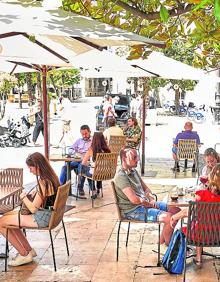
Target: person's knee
[[165, 217]]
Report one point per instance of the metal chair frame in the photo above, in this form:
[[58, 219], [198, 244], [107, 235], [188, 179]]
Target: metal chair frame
[[129, 221], [57, 216], [187, 150], [105, 169], [203, 227]]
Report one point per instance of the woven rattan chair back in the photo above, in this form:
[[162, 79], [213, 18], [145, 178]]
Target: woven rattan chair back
[[116, 143], [11, 177], [59, 205], [187, 149], [105, 166], [203, 226]]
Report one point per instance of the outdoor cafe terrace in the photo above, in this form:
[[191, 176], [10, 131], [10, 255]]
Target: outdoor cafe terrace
[[92, 234]]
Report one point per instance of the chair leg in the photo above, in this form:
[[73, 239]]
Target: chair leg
[[118, 234], [6, 250], [128, 234], [66, 241], [54, 261], [93, 183], [158, 255]]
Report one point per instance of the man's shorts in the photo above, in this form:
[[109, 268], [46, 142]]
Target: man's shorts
[[174, 150], [147, 214]]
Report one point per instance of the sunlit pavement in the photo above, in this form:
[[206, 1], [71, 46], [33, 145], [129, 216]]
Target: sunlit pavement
[[92, 231]]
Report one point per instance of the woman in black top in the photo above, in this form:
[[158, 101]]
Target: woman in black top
[[44, 197]]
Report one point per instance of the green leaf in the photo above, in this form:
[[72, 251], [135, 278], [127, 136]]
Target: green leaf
[[217, 10], [164, 14]]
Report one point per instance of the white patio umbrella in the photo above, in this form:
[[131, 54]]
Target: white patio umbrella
[[62, 34], [169, 68]]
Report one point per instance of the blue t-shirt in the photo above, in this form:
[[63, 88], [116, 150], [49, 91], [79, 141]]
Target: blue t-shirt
[[187, 134]]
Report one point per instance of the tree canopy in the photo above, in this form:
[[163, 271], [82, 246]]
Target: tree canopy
[[196, 23]]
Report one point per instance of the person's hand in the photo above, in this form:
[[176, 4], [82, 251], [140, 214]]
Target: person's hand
[[154, 204], [23, 195], [172, 222]]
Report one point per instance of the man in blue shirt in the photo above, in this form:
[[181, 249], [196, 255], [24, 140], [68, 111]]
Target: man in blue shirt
[[80, 147], [186, 134]]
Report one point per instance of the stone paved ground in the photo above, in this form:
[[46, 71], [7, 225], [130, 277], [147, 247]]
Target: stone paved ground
[[92, 241]]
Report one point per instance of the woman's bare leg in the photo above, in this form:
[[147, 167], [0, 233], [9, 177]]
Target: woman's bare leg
[[18, 240], [21, 237]]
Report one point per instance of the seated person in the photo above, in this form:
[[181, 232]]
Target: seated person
[[186, 134], [135, 198], [98, 145], [133, 133], [112, 130], [81, 146], [211, 194], [211, 158]]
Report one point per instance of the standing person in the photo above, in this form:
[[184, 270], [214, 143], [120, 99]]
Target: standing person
[[133, 133], [108, 110], [135, 198], [211, 194], [45, 194], [80, 147], [186, 134], [39, 124], [98, 145], [112, 130], [65, 109]]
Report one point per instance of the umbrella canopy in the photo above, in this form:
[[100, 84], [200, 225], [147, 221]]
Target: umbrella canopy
[[62, 34], [169, 68], [16, 16]]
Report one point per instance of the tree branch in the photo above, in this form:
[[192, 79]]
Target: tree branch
[[154, 15]]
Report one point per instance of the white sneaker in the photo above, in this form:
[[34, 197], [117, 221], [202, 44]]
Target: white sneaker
[[20, 260], [33, 253]]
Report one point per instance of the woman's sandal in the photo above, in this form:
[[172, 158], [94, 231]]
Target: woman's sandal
[[198, 263]]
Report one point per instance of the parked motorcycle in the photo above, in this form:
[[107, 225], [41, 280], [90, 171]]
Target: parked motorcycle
[[17, 135]]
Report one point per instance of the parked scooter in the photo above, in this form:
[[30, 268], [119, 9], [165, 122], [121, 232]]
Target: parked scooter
[[17, 135]]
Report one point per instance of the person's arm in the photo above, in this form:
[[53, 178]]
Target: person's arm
[[147, 190], [37, 202], [174, 218], [86, 157], [134, 199]]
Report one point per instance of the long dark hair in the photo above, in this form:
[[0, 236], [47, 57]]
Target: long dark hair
[[46, 172], [99, 144]]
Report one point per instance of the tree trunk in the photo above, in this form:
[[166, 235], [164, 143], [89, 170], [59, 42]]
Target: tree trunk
[[54, 85], [39, 85], [157, 98], [29, 87], [3, 105], [177, 100]]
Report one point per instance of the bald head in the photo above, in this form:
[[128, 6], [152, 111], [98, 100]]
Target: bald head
[[188, 126]]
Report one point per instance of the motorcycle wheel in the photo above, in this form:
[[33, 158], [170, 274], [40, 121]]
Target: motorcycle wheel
[[16, 143], [23, 141]]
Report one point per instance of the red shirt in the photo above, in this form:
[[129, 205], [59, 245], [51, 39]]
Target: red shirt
[[206, 196]]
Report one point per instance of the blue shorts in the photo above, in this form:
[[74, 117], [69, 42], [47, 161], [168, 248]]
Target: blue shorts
[[174, 150], [147, 214]]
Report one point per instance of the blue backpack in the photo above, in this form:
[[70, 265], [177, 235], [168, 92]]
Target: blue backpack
[[173, 260]]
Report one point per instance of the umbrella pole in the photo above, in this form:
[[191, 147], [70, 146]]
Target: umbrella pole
[[145, 93], [44, 81]]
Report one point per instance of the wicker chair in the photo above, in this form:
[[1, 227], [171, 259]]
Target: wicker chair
[[116, 143], [11, 177], [122, 219], [56, 218], [105, 169], [187, 150], [203, 227]]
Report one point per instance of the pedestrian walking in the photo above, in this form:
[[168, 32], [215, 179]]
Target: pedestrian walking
[[39, 124]]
